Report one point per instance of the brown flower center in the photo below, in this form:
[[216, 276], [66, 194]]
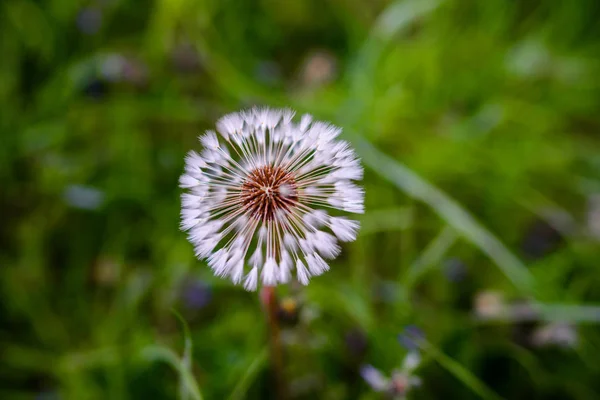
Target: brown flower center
[[268, 189]]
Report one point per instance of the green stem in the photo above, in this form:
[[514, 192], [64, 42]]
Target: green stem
[[269, 300]]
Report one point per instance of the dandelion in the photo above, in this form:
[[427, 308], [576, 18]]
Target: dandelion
[[255, 195]]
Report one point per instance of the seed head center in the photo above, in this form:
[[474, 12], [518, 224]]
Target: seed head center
[[267, 190]]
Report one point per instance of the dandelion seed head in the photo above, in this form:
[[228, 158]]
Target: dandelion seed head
[[255, 193]]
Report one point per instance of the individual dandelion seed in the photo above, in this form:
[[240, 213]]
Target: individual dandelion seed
[[254, 197]]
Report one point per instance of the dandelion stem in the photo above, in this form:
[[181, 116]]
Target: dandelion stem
[[268, 297]]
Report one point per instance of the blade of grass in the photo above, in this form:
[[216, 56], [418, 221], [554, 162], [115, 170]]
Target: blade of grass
[[160, 353], [400, 14], [186, 360], [405, 179], [431, 256], [246, 380], [460, 372], [448, 209], [568, 313]]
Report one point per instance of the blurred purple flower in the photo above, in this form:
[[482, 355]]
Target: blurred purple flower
[[455, 270], [410, 337], [116, 68], [400, 383], [374, 378], [356, 342], [135, 72], [196, 294], [95, 88], [557, 334], [268, 72], [47, 395], [540, 240], [89, 20], [185, 57], [112, 67], [84, 197]]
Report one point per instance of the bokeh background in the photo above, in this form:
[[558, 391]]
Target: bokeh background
[[477, 122]]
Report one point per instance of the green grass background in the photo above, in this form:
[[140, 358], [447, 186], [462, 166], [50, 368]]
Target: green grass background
[[477, 122]]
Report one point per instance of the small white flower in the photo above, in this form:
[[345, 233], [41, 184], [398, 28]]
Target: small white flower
[[411, 361], [559, 334], [400, 383], [489, 305], [374, 378], [254, 197]]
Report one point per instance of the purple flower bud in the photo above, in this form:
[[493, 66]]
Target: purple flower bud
[[455, 270], [410, 337], [89, 20], [196, 294]]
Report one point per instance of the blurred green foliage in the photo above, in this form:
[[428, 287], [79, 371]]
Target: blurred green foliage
[[478, 123]]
